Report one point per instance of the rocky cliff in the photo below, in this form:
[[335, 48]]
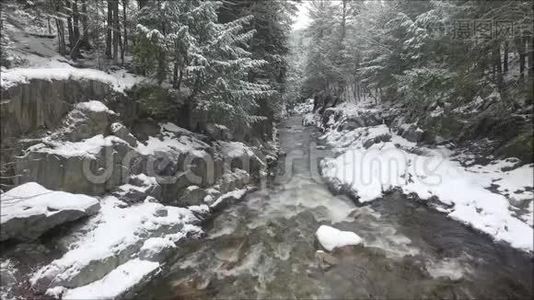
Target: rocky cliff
[[150, 177]]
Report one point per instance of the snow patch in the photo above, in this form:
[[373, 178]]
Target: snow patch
[[95, 106], [170, 142], [87, 148], [331, 238]]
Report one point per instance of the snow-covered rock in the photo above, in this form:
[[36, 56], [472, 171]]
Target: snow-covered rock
[[227, 199], [331, 238], [239, 155], [123, 133], [192, 195], [91, 166], [120, 80], [156, 249], [138, 188], [117, 284], [113, 237], [29, 210]]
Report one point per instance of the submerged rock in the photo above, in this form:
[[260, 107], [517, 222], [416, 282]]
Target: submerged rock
[[30, 210]]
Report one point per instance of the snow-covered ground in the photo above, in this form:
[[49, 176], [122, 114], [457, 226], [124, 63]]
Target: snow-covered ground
[[373, 160]]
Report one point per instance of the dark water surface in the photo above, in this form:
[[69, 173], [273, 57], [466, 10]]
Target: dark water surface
[[264, 247]]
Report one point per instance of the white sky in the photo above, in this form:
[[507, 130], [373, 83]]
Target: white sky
[[302, 20]]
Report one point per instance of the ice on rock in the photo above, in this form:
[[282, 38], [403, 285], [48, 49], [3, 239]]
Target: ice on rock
[[331, 238]]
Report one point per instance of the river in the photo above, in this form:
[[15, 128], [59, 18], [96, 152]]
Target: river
[[265, 247]]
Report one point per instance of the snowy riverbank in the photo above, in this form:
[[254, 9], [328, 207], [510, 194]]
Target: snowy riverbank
[[372, 159]]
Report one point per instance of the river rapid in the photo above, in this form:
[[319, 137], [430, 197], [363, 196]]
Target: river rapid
[[265, 247]]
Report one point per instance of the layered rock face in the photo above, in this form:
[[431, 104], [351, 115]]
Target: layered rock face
[[44, 103], [93, 153]]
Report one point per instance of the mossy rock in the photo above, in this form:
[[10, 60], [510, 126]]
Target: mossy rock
[[521, 147]]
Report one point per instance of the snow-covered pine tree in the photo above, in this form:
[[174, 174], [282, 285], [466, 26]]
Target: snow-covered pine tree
[[210, 58], [219, 73]]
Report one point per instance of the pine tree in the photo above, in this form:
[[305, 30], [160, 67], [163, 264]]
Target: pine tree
[[210, 58]]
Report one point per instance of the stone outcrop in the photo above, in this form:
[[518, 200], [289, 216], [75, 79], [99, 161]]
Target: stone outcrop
[[43, 104], [30, 210], [411, 132], [93, 166]]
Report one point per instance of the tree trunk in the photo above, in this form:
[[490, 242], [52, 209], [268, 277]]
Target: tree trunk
[[521, 49], [530, 57], [119, 37], [124, 25], [116, 30], [85, 25], [61, 36], [108, 31], [505, 59], [344, 20], [498, 66], [76, 20], [180, 78], [69, 24]]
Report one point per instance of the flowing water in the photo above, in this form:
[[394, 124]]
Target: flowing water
[[264, 247]]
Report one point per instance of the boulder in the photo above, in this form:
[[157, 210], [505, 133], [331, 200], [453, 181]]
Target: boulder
[[227, 199], [238, 155], [92, 166], [192, 195], [156, 249], [120, 131], [121, 283], [236, 179], [386, 137], [138, 188], [86, 120], [218, 132], [115, 236], [325, 260], [30, 210], [413, 133]]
